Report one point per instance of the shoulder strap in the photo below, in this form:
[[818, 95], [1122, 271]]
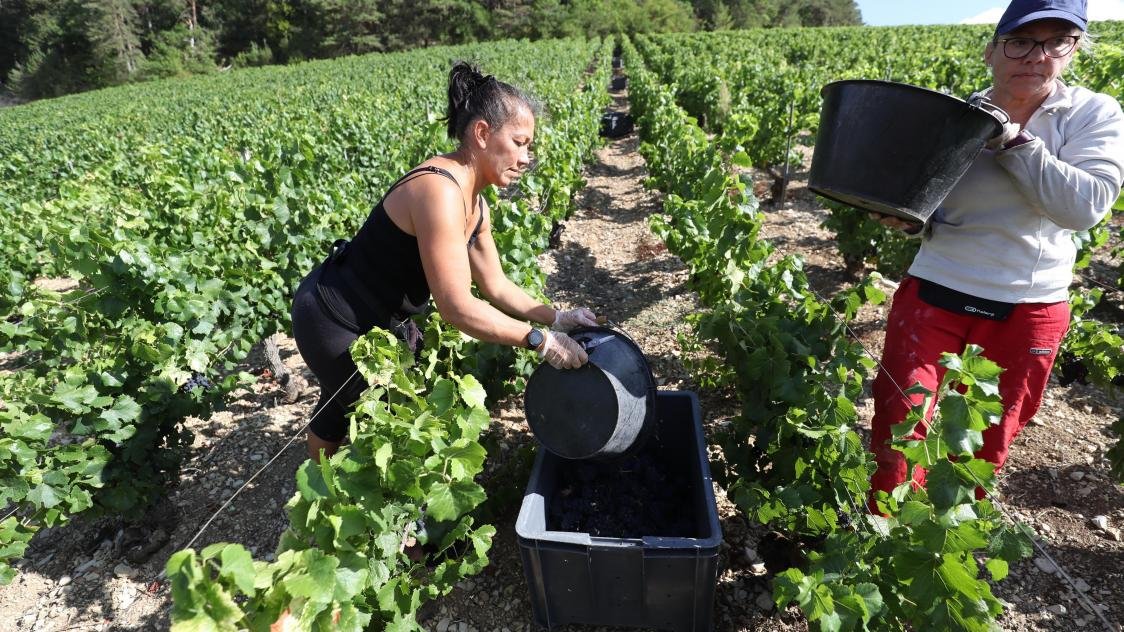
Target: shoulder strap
[[476, 231], [421, 171]]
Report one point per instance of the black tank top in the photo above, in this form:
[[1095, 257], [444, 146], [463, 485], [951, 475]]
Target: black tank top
[[379, 276]]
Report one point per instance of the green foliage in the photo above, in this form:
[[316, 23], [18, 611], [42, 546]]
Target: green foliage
[[862, 240], [112, 29], [784, 348], [253, 56], [741, 86], [940, 531], [1098, 346], [413, 453], [604, 17], [408, 477], [54, 48], [192, 245], [743, 14], [178, 52], [347, 27], [759, 89], [792, 460]]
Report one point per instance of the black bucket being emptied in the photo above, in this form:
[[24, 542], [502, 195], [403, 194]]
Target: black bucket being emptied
[[894, 148], [602, 410]]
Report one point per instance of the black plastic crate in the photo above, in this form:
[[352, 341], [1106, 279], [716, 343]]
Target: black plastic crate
[[653, 581], [616, 124]]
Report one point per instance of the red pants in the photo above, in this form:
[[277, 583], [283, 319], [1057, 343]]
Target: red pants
[[916, 333]]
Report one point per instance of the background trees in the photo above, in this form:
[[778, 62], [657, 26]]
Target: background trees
[[54, 47]]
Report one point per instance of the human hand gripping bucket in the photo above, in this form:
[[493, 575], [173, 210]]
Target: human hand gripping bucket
[[896, 149], [602, 410]]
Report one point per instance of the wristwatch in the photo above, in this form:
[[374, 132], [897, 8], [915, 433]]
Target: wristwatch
[[534, 338]]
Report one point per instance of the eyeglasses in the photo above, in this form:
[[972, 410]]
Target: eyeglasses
[[1019, 47]]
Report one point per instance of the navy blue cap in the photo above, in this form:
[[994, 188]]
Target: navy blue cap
[[1021, 12]]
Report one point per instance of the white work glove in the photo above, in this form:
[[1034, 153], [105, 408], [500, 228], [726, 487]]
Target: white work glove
[[561, 351], [572, 318], [1010, 131]]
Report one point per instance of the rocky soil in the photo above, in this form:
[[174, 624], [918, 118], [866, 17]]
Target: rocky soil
[[94, 575]]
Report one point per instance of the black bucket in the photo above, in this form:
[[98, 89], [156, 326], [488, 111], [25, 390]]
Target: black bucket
[[603, 410], [894, 148]]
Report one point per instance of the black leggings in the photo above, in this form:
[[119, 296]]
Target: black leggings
[[324, 344]]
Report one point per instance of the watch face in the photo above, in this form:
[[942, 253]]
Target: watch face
[[534, 339]]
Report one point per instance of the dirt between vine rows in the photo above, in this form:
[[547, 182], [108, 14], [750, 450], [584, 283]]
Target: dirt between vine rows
[[79, 577]]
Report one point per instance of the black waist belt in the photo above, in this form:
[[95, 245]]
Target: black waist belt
[[960, 303]]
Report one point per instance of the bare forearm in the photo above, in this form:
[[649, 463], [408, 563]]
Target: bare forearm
[[482, 321], [515, 302]]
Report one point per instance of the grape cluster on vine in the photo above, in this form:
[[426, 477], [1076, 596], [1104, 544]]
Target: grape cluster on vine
[[197, 381]]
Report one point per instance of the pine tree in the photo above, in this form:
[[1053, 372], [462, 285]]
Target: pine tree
[[353, 27], [112, 28], [722, 19]]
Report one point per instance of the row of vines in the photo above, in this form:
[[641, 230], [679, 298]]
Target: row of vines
[[709, 107], [184, 214], [758, 92]]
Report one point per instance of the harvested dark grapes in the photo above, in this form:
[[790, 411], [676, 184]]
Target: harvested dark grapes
[[630, 497]]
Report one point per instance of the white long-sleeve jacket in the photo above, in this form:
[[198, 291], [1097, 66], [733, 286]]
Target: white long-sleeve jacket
[[1005, 231]]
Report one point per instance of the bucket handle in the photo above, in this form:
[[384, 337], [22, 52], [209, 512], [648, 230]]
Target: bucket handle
[[985, 104], [589, 345], [604, 322], [615, 327]]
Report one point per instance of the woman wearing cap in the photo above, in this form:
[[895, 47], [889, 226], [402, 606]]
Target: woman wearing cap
[[996, 258], [430, 235]]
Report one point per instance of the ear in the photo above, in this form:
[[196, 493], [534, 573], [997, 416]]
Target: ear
[[479, 132], [988, 50]]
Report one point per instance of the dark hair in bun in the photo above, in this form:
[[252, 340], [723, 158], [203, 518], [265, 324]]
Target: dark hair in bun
[[475, 96]]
